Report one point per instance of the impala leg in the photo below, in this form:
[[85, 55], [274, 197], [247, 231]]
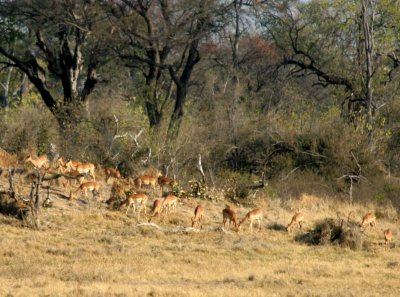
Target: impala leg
[[144, 207], [259, 225], [127, 209], [300, 226], [138, 213]]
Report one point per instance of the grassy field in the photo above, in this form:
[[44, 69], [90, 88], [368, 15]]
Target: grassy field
[[85, 250]]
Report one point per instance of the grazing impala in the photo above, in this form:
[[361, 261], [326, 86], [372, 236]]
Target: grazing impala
[[169, 203], [88, 186], [198, 216], [229, 214], [165, 181], [133, 199], [111, 172], [156, 210], [370, 219], [297, 219], [254, 215], [38, 162], [388, 236]]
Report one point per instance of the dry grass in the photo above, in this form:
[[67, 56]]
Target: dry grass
[[86, 250]]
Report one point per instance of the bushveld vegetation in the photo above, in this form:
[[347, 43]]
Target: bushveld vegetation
[[287, 106]]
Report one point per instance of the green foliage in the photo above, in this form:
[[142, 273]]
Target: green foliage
[[198, 190], [289, 124]]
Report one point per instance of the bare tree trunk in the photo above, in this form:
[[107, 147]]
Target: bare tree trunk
[[6, 87], [182, 84], [11, 189], [368, 16], [235, 63]]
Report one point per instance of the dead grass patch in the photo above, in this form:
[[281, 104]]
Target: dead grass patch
[[87, 250]]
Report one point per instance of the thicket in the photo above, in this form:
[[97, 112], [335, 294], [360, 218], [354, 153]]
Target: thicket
[[292, 102]]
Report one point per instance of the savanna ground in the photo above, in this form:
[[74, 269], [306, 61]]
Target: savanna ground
[[83, 249]]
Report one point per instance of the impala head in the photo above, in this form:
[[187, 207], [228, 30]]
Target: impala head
[[238, 226], [61, 161]]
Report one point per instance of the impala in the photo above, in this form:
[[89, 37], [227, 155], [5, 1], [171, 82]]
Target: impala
[[370, 219], [297, 219], [133, 199], [88, 186], [86, 168], [253, 215], [198, 216], [60, 161], [71, 165], [146, 180], [38, 162], [388, 236], [165, 181], [229, 214], [169, 203], [61, 165], [111, 172], [74, 175], [156, 209], [152, 172]]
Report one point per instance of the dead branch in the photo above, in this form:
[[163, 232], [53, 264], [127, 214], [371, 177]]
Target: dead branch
[[292, 171], [200, 168], [58, 175], [11, 190]]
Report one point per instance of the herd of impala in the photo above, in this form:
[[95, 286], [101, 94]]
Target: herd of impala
[[169, 203]]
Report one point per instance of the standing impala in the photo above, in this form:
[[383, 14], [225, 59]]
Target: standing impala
[[229, 214], [156, 209], [71, 165], [86, 168], [38, 162], [388, 236], [147, 180], [165, 181], [198, 216], [297, 219], [369, 219], [254, 215], [133, 199]]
